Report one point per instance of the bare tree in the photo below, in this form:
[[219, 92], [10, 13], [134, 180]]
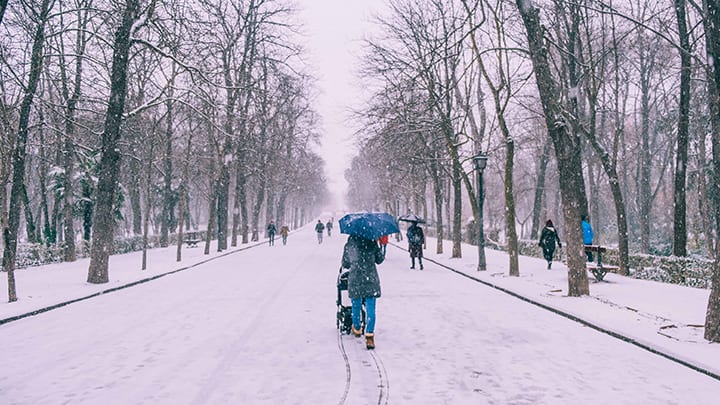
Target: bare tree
[[71, 95], [712, 31], [501, 89], [104, 223], [10, 233], [680, 228], [567, 147]]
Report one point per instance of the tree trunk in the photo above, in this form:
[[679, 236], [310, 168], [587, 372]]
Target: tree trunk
[[149, 200], [167, 204], [214, 185], [510, 216], [257, 206], [185, 185], [437, 192], [270, 207], [567, 149], [236, 224], [135, 204], [712, 31], [30, 228], [87, 208], [10, 233], [645, 161], [679, 228], [48, 231], [68, 149], [104, 220], [457, 210], [3, 6]]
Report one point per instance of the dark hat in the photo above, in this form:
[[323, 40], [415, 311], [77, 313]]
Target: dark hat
[[549, 223]]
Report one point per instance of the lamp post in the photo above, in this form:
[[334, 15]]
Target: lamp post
[[480, 163]]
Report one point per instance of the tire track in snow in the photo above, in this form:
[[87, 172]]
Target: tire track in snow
[[378, 371]]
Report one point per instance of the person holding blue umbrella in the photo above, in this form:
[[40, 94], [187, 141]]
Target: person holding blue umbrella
[[361, 255]]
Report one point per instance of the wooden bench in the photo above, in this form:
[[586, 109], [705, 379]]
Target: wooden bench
[[597, 267], [192, 242]]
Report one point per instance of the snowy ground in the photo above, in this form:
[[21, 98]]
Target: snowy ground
[[257, 326]]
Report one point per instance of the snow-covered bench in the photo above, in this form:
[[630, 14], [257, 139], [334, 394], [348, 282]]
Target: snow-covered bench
[[598, 268]]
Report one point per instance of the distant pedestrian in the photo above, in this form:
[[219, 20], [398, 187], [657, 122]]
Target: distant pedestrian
[[284, 231], [329, 226], [383, 242], [416, 239], [361, 255], [319, 228], [587, 236], [271, 229], [548, 238]]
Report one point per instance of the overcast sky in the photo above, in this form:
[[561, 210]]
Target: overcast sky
[[335, 29]]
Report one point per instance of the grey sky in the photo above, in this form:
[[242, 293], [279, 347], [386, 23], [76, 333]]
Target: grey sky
[[335, 29]]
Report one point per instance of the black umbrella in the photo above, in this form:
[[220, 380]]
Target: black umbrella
[[412, 218]]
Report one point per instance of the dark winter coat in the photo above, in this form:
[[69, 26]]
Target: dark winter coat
[[319, 227], [360, 256], [271, 229], [548, 237], [416, 239]]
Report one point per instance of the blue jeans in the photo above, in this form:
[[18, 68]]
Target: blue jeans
[[369, 313]]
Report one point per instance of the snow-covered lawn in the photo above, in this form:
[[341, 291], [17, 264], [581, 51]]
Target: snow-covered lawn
[[258, 327]]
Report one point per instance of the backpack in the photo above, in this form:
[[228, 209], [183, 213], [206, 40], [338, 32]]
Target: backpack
[[414, 237]]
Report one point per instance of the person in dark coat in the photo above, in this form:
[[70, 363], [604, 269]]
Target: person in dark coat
[[361, 256], [271, 229], [548, 238], [416, 239], [319, 228], [329, 226]]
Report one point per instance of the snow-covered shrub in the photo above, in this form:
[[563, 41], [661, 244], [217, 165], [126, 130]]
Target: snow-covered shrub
[[688, 271], [36, 254]]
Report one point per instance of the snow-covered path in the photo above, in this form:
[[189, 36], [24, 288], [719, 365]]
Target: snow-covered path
[[258, 327]]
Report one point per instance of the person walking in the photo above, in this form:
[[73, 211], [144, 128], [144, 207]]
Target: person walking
[[416, 239], [383, 242], [271, 229], [284, 231], [319, 228], [329, 226], [548, 238], [361, 256], [587, 236]]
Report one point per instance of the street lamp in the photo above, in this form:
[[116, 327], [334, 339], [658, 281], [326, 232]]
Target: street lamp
[[480, 163]]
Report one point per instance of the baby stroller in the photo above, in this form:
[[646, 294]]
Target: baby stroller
[[344, 312]]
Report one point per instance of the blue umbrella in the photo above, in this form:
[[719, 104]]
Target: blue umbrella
[[369, 225]]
